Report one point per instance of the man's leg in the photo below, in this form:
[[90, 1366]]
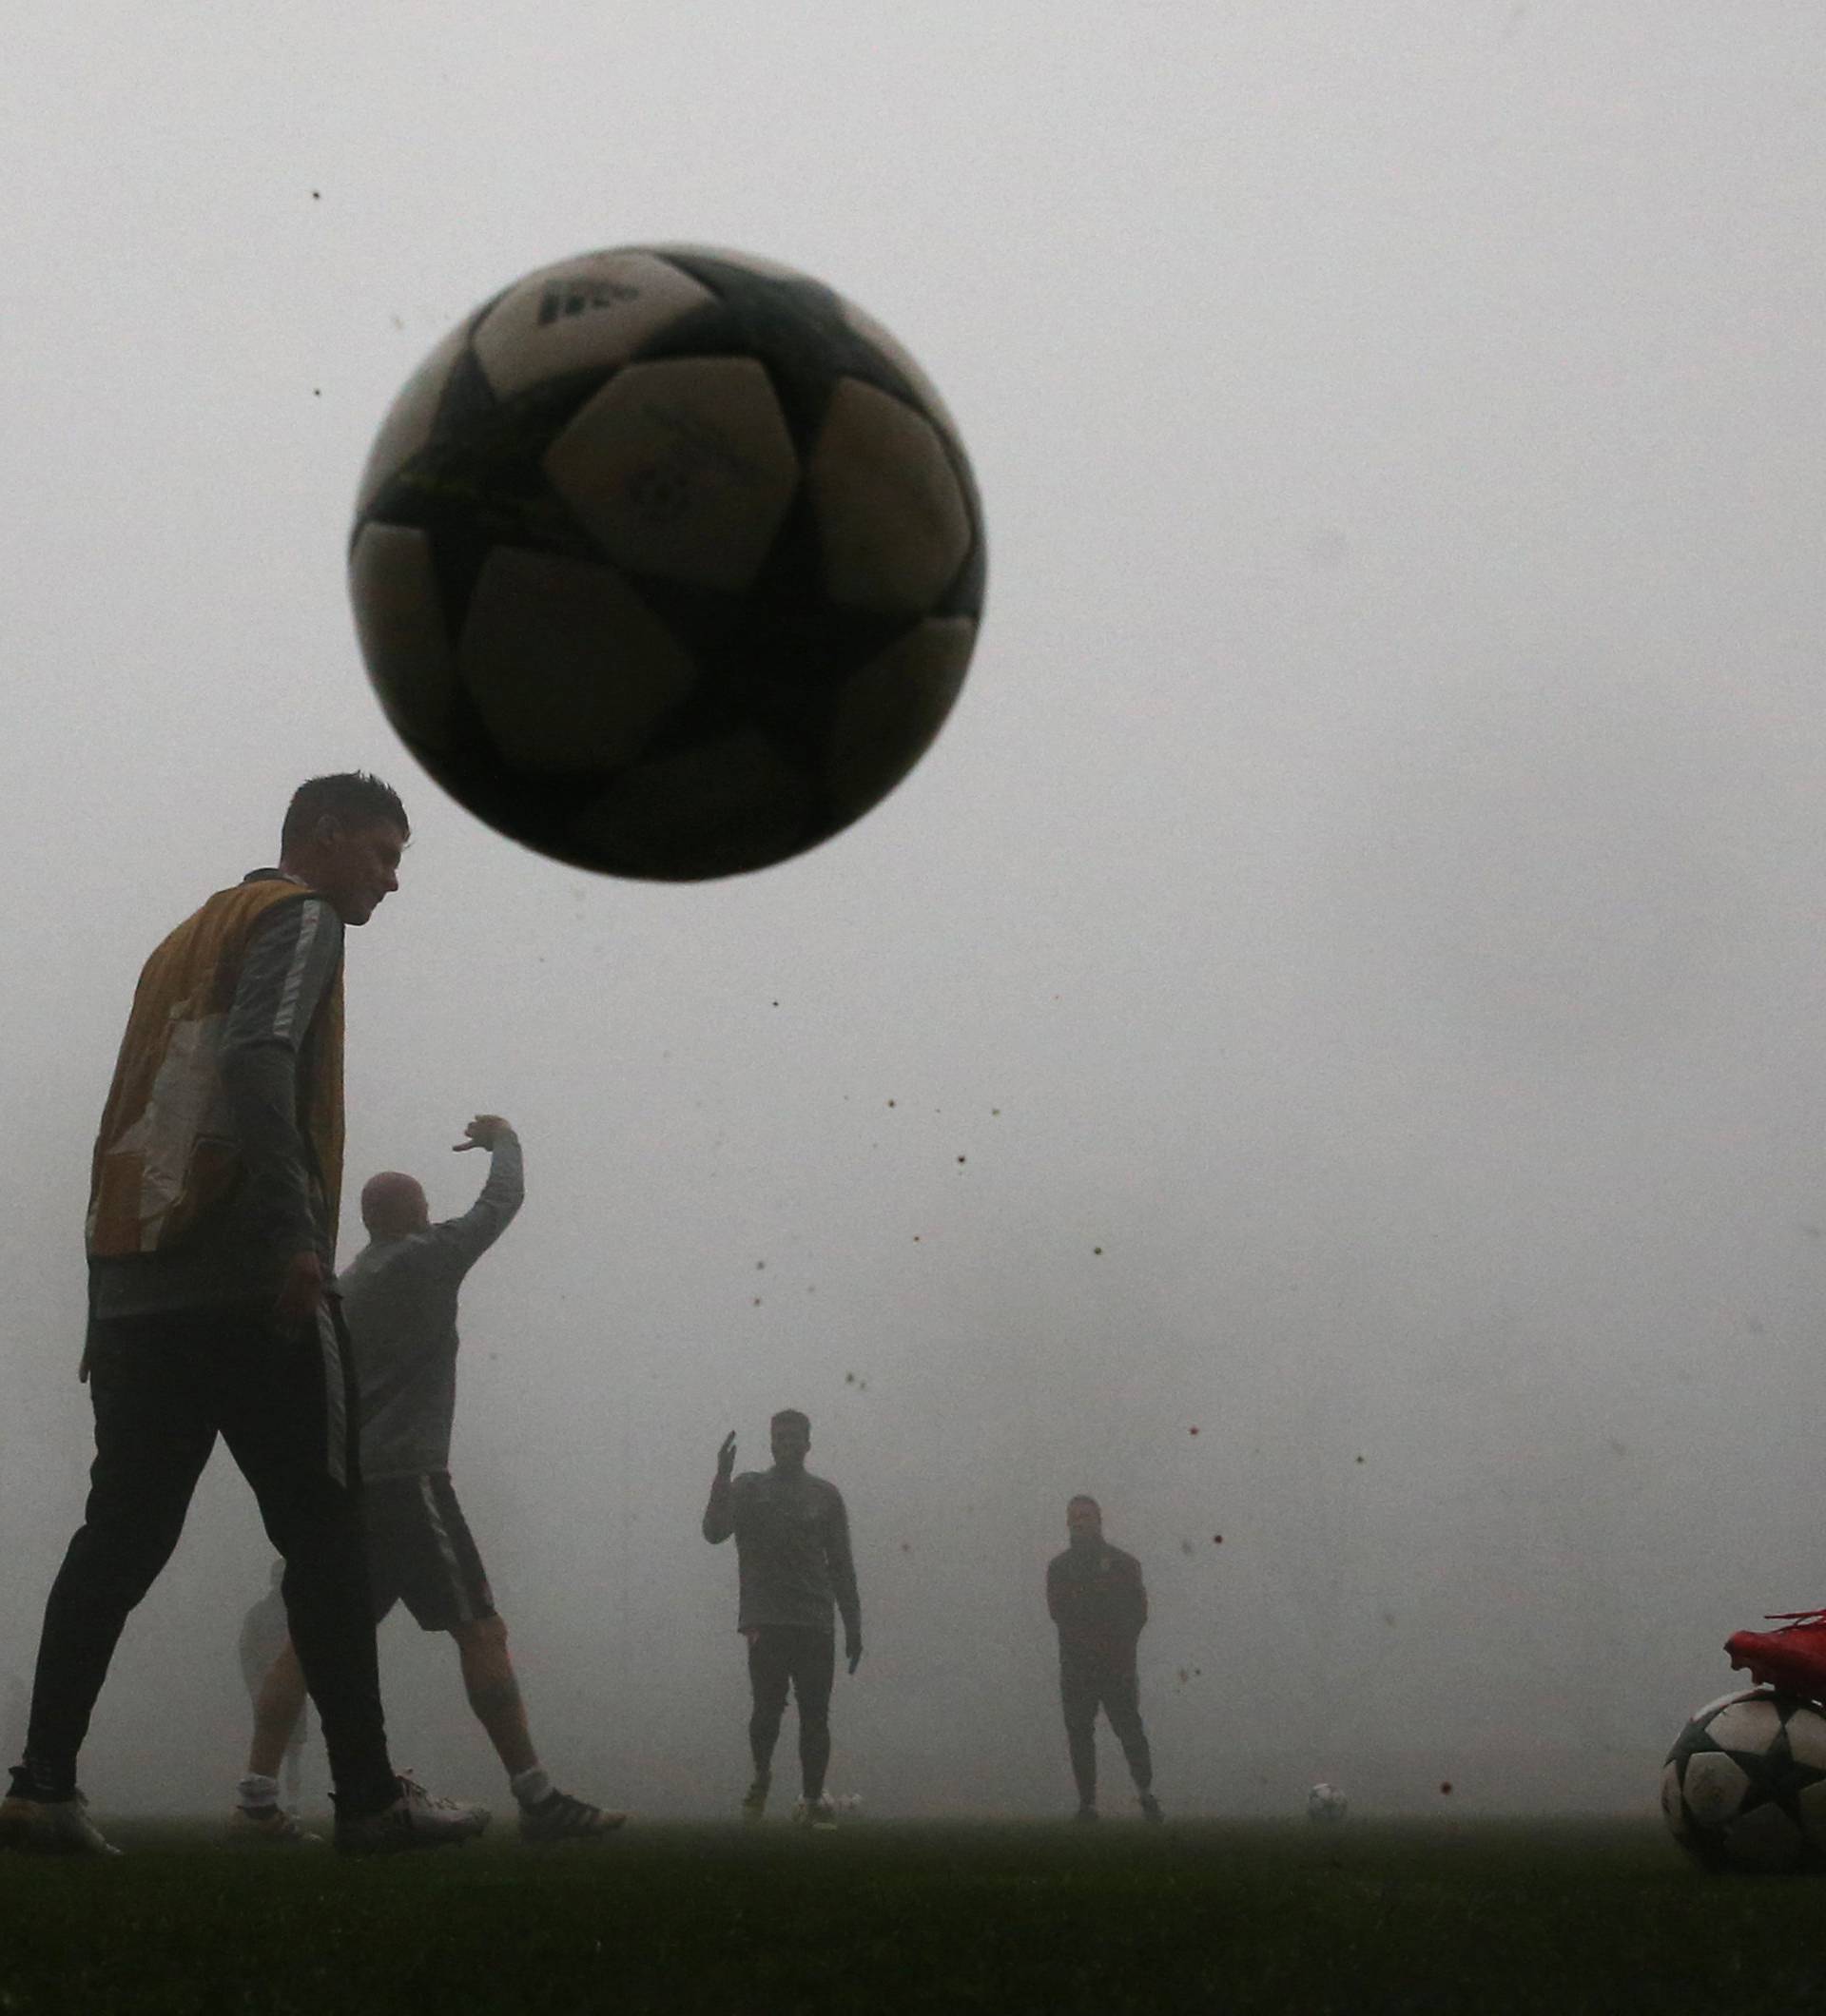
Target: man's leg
[[546, 1814], [494, 1692], [288, 1421], [282, 1724], [814, 1664], [1078, 1700], [1121, 1703], [278, 1707], [420, 1551], [278, 1739], [154, 1428], [769, 1673]]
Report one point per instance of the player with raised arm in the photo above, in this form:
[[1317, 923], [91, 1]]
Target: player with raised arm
[[794, 1568], [1095, 1598], [211, 1232], [399, 1296]]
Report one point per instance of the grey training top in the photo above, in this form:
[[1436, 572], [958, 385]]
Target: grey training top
[[791, 1549], [399, 1302], [240, 1253]]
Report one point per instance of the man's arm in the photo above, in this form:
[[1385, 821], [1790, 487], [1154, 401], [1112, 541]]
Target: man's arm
[[1054, 1591], [464, 1240], [843, 1576], [288, 968], [1133, 1597], [719, 1515]]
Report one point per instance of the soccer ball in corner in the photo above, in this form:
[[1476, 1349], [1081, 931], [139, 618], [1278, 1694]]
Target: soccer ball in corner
[[1325, 1804], [668, 562], [1744, 1786]]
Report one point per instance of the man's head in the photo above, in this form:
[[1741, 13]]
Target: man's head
[[343, 835], [1084, 1520], [789, 1435], [393, 1206]]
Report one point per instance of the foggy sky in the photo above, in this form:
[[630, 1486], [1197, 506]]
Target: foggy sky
[[1369, 888]]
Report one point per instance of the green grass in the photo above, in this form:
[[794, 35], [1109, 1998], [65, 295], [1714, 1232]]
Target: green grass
[[1212, 1917]]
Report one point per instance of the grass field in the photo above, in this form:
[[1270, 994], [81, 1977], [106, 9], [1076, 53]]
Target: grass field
[[1211, 1917]]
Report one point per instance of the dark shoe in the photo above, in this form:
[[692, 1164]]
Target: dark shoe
[[1085, 1814], [1792, 1658], [560, 1817], [415, 1819], [754, 1801], [1151, 1809], [51, 1827]]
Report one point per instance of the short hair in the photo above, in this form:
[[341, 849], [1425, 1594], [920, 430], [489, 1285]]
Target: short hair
[[351, 796], [1083, 1498], [791, 1414]]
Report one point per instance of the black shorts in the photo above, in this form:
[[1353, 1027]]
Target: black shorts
[[1086, 1685], [796, 1655], [420, 1553]]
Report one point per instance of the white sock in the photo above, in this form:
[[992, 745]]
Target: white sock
[[256, 1790], [531, 1788]]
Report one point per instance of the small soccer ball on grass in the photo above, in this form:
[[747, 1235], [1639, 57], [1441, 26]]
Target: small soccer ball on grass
[[668, 562], [1326, 1804], [1744, 1786]]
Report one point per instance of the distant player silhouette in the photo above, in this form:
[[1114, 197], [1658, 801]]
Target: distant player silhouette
[[1095, 1596], [794, 1564]]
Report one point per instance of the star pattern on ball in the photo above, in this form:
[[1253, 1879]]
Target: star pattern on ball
[[668, 562]]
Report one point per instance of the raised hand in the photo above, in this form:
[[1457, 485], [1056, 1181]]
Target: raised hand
[[725, 1458], [482, 1131], [299, 1293]]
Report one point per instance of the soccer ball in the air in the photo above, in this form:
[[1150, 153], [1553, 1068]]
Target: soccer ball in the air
[[668, 562], [1325, 1804], [1744, 1786]]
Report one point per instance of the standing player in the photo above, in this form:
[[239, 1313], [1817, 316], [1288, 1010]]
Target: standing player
[[1094, 1594], [793, 1566], [399, 1299], [212, 1227]]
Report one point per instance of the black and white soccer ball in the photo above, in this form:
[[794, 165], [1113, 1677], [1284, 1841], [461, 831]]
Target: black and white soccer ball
[[668, 562], [1325, 1804], [1744, 1786]]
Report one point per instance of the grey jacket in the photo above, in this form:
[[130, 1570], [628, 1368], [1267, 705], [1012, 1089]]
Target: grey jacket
[[399, 1302], [793, 1559]]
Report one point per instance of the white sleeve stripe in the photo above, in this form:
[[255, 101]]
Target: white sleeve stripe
[[447, 1552], [309, 916]]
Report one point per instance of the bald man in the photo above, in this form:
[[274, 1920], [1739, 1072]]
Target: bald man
[[400, 1301]]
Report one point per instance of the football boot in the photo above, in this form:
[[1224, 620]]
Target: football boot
[[1791, 1659]]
